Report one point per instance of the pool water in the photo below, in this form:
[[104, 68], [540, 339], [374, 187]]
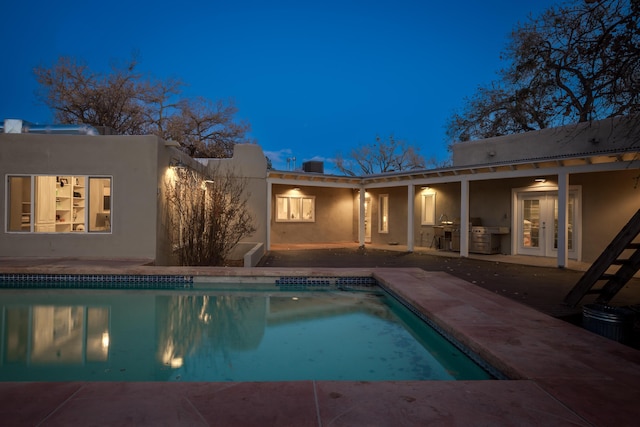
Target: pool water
[[114, 335]]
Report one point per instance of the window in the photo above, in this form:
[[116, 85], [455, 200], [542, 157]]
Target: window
[[58, 204], [295, 208], [383, 206], [428, 208]]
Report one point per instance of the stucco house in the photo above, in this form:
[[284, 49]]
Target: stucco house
[[561, 193]]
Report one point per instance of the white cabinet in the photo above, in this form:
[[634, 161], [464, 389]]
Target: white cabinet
[[45, 204], [78, 216], [60, 204]]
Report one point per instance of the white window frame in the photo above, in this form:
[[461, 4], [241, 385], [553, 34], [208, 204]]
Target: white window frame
[[383, 213], [428, 216], [289, 201]]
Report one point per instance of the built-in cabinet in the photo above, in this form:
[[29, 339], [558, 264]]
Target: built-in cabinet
[[25, 216], [60, 204]]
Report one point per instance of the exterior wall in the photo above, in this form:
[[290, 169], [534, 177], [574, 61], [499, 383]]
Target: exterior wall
[[334, 209], [167, 155], [609, 200], [447, 208], [584, 138], [248, 162], [132, 162], [397, 216]]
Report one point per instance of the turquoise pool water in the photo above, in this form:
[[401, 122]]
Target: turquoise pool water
[[205, 335]]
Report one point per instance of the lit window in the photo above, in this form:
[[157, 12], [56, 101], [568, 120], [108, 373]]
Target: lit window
[[58, 204], [384, 213], [428, 208], [295, 208]]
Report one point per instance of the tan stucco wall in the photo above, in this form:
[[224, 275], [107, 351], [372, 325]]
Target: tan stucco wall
[[132, 162], [333, 217], [609, 200], [584, 138], [248, 162], [447, 207], [397, 216]]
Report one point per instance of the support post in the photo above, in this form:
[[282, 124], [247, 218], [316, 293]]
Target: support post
[[563, 219], [268, 219], [361, 230], [410, 214], [464, 218]]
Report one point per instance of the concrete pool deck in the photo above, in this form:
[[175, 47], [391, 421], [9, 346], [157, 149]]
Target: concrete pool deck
[[562, 374]]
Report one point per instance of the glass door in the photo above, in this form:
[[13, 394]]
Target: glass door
[[532, 222], [537, 223]]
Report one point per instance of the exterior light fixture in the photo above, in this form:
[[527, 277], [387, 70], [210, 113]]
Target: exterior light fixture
[[425, 187], [296, 188], [204, 184], [540, 180]]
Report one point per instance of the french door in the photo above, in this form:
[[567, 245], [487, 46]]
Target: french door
[[537, 223]]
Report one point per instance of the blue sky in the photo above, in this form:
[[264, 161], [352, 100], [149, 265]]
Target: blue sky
[[314, 78]]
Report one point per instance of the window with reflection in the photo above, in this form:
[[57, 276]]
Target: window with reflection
[[383, 213], [52, 334], [531, 223]]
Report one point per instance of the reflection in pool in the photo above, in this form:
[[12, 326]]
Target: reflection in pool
[[220, 336]]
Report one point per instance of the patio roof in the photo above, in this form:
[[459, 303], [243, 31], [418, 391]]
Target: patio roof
[[550, 165]]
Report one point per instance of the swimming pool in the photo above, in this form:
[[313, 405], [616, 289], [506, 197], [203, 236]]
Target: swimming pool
[[283, 331]]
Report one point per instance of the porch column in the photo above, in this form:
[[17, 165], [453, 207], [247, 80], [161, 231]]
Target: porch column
[[361, 231], [563, 219], [464, 218], [410, 213], [268, 219]]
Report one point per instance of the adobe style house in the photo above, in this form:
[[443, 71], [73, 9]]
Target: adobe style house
[[561, 193]]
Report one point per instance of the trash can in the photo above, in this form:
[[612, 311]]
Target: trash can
[[615, 323]]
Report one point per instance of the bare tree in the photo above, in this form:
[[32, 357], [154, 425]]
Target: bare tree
[[77, 95], [574, 63], [208, 215], [131, 104], [382, 156], [206, 129]]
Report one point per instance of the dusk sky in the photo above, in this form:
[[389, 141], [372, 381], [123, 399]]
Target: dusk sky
[[313, 78]]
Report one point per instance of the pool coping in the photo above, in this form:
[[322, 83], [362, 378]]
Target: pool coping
[[561, 374]]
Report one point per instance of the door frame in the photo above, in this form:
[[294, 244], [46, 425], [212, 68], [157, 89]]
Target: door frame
[[367, 218], [547, 190]]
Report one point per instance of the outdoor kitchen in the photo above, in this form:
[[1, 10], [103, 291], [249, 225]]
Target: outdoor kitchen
[[482, 239]]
